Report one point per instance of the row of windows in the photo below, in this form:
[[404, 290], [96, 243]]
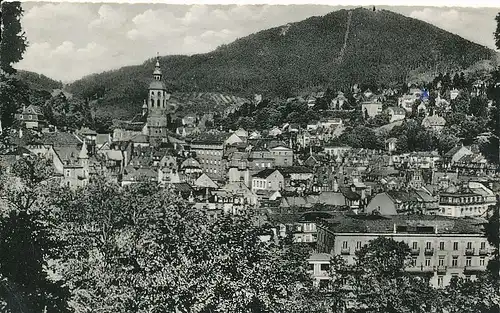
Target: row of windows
[[209, 152], [211, 170], [461, 199], [215, 162], [263, 164], [428, 245], [158, 93], [159, 102], [442, 261]]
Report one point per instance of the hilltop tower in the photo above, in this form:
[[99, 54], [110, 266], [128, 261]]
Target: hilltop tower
[[157, 105]]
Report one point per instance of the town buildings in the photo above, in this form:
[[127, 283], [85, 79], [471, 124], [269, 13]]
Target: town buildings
[[441, 247]]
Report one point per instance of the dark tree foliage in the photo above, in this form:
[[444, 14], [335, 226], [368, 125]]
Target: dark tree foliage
[[27, 241], [497, 31], [493, 234], [13, 42]]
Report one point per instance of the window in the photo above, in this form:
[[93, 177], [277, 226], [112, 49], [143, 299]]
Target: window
[[427, 261], [344, 245], [455, 246], [469, 245], [467, 277], [428, 245], [441, 245], [468, 261], [483, 245], [481, 261], [414, 261], [454, 261], [441, 260], [325, 267], [415, 245], [440, 281], [358, 245]]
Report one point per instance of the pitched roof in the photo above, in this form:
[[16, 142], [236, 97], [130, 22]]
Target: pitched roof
[[265, 173], [60, 139], [349, 194], [452, 151], [433, 120], [403, 224]]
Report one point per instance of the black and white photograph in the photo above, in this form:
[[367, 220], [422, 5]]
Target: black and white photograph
[[249, 158]]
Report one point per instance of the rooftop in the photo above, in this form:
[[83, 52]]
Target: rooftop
[[423, 224]]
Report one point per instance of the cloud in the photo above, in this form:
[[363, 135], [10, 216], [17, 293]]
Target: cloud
[[78, 61], [154, 24], [109, 18], [471, 24]]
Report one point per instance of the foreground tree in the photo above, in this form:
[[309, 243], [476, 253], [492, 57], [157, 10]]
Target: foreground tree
[[497, 31], [141, 249], [28, 241], [13, 42]]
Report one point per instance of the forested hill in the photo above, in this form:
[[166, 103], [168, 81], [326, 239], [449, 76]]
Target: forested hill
[[338, 49], [38, 81]]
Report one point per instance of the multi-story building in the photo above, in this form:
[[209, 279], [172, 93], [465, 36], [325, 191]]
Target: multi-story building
[[441, 247], [31, 117], [210, 155], [282, 155], [268, 179], [462, 201]]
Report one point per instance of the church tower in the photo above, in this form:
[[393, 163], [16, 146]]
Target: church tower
[[157, 106]]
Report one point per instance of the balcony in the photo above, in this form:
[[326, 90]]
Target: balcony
[[441, 269], [429, 251], [474, 269], [483, 252], [470, 251], [345, 251], [415, 251], [420, 269]]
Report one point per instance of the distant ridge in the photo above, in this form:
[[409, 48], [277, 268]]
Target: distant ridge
[[366, 46]]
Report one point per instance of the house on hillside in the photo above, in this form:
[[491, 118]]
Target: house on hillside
[[339, 102], [31, 117], [371, 109], [434, 122], [396, 113]]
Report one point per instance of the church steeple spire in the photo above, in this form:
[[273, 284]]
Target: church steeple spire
[[157, 72]]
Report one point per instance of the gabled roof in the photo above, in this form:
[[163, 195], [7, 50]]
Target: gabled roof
[[349, 194], [265, 173], [452, 151], [60, 139], [32, 109], [204, 181]]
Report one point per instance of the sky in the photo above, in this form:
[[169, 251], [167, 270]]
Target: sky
[[70, 40]]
